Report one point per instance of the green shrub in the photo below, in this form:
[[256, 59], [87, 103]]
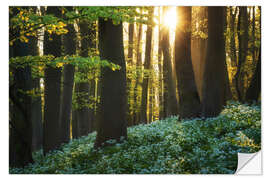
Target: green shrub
[[163, 147]]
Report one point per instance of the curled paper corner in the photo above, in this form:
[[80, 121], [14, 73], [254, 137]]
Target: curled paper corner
[[249, 163]]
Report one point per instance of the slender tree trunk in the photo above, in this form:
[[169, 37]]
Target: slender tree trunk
[[138, 76], [36, 108], [112, 122], [147, 65], [130, 63], [228, 93], [232, 37], [37, 116], [69, 69], [254, 90], [189, 101], [130, 41], [51, 136], [151, 101], [253, 48], [243, 48], [214, 74], [160, 69]]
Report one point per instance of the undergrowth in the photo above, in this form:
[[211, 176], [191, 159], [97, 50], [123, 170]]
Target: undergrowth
[[167, 146]]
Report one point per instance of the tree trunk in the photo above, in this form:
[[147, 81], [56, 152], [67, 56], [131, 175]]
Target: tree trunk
[[20, 129], [130, 63], [113, 100], [214, 73], [243, 48], [20, 132], [36, 109], [170, 101], [189, 101], [198, 47], [147, 65], [52, 93], [160, 70], [228, 92], [232, 38], [138, 76], [254, 90], [69, 69]]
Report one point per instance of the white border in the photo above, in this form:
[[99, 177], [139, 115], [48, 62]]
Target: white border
[[265, 79]]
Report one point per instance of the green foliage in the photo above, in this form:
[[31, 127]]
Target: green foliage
[[117, 14], [41, 61], [163, 147]]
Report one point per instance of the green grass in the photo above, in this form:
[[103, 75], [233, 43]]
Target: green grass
[[163, 147]]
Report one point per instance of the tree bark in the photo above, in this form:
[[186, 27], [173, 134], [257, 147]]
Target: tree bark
[[232, 38], [199, 47], [147, 65], [170, 101], [228, 92], [36, 109], [113, 100], [129, 79], [189, 101], [52, 93], [20, 129], [243, 48], [68, 82], [138, 76], [160, 70], [214, 73], [254, 90]]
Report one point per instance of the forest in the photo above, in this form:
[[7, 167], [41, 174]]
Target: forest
[[133, 90]]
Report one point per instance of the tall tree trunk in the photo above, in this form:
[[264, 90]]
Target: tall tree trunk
[[253, 35], [232, 37], [243, 48], [138, 75], [228, 92], [189, 101], [69, 69], [254, 90], [20, 131], [130, 63], [147, 65], [52, 93], [150, 101], [199, 47], [20, 139], [214, 74], [92, 41], [160, 69], [113, 100], [36, 114], [170, 101]]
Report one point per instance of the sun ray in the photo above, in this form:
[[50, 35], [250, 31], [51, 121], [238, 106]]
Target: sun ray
[[170, 18]]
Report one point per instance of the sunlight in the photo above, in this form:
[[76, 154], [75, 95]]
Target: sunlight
[[170, 18]]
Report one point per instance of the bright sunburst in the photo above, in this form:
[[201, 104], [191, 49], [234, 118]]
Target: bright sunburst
[[170, 18]]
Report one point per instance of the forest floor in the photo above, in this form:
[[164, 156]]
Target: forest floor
[[163, 147]]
